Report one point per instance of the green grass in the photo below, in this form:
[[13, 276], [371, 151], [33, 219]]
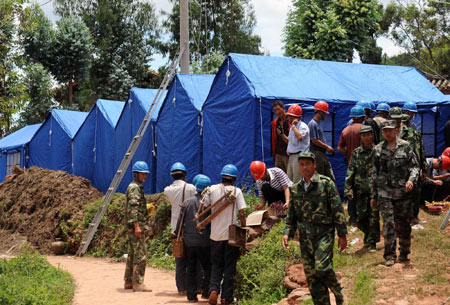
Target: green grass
[[364, 288], [30, 280]]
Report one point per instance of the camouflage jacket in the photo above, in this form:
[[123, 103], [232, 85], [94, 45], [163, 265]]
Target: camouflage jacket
[[136, 206], [415, 140], [357, 178], [316, 209], [392, 169]]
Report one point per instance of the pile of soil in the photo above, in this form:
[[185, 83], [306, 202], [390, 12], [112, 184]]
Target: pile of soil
[[35, 201]]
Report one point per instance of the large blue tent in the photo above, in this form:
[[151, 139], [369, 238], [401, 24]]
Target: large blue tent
[[93, 144], [179, 126], [132, 115], [14, 149], [237, 112], [52, 147]]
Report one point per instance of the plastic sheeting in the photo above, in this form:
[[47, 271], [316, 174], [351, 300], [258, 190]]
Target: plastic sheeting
[[179, 127], [94, 144], [51, 147], [237, 112], [130, 120], [16, 142]]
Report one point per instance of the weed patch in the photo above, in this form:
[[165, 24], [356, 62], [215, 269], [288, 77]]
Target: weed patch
[[364, 288], [30, 279]]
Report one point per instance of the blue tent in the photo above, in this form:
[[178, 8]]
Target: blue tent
[[179, 126], [52, 147], [93, 144], [132, 115], [237, 112], [14, 149]]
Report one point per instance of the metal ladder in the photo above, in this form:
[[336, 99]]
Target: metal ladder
[[93, 226]]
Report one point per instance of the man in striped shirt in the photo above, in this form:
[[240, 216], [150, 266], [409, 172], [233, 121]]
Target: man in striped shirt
[[273, 184]]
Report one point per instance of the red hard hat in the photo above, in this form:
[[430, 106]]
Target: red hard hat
[[322, 106], [295, 110], [257, 169], [446, 152], [445, 163]]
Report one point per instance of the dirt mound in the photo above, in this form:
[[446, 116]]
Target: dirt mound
[[35, 202]]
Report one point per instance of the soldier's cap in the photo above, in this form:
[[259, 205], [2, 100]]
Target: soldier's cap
[[395, 113], [307, 155], [389, 124], [405, 118], [365, 128]]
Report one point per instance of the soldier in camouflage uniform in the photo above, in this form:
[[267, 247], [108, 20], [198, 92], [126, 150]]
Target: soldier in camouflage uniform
[[394, 174], [357, 188], [315, 210], [136, 222]]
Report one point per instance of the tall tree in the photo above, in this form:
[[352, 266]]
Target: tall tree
[[215, 27], [39, 88], [12, 88], [333, 30], [125, 35], [422, 29]]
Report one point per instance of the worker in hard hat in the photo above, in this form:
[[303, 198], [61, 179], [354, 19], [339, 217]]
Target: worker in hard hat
[[136, 222], [223, 255], [280, 131], [436, 179], [196, 242], [410, 108], [298, 140], [177, 193], [382, 114], [272, 183], [318, 143]]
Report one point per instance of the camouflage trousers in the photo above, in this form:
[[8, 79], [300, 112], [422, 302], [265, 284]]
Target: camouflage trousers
[[368, 219], [317, 258], [137, 258], [397, 216], [415, 195]]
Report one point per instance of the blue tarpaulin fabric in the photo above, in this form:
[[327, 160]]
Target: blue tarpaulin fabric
[[52, 147], [237, 112], [16, 142], [94, 144], [132, 115], [179, 126]]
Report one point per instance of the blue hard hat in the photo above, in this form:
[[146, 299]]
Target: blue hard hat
[[177, 166], [366, 105], [383, 107], [229, 170], [201, 182], [356, 112], [140, 167], [410, 106]]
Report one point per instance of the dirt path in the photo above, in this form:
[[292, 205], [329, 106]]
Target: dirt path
[[100, 281]]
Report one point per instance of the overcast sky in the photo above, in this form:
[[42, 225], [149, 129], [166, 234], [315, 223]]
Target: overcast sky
[[270, 18]]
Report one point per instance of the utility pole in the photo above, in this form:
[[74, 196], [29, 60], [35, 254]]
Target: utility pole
[[184, 35]]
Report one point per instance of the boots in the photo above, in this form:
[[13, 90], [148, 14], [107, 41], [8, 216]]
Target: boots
[[128, 285], [140, 288]]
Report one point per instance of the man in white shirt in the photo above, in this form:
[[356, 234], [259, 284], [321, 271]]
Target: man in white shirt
[[223, 256], [298, 141], [177, 193]]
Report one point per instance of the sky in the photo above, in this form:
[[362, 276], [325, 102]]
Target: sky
[[270, 20]]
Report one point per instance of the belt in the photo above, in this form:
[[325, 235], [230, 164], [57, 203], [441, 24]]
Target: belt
[[296, 153]]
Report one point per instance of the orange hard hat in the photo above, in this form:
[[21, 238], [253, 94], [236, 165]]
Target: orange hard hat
[[322, 106], [258, 169], [445, 165], [446, 152], [295, 110]]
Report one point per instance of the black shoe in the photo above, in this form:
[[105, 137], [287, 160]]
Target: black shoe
[[195, 300], [403, 258]]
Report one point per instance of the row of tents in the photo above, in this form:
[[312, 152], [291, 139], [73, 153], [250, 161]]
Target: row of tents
[[207, 121]]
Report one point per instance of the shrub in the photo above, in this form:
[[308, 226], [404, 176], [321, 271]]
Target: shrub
[[30, 279]]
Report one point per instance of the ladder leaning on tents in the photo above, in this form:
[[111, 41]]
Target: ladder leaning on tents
[[93, 226]]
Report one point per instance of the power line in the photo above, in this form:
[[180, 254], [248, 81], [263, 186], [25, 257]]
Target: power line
[[41, 5]]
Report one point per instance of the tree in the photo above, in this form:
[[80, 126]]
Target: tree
[[12, 88], [215, 27], [333, 30], [422, 28], [125, 34], [209, 64], [39, 89]]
